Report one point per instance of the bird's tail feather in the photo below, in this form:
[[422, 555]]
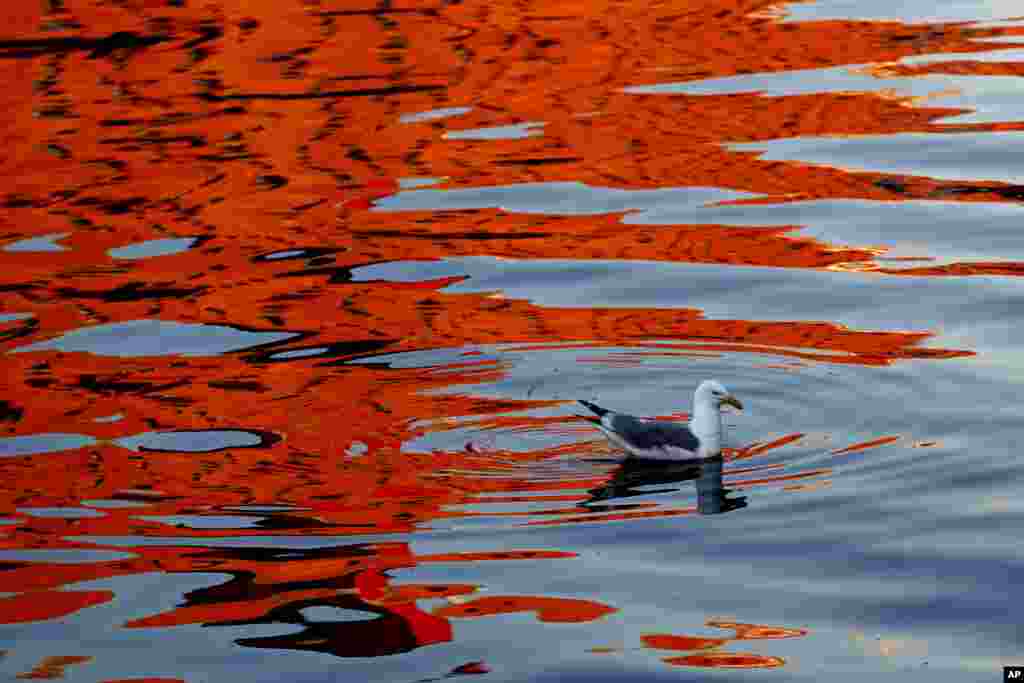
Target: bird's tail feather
[[598, 410]]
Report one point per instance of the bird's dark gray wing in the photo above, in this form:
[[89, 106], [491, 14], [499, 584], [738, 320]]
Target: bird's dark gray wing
[[654, 434]]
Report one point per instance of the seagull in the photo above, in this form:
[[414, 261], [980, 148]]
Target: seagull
[[659, 440]]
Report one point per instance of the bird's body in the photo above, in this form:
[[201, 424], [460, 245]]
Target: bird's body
[[660, 440]]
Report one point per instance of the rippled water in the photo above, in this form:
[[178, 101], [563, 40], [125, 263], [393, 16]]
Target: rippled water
[[296, 300]]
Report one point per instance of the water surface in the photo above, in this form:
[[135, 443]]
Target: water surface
[[297, 300]]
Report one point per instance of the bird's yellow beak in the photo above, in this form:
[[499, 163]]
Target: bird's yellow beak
[[732, 401]]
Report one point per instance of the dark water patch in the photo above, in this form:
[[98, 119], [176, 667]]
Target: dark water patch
[[208, 31], [204, 521], [198, 440], [1013, 193], [18, 287], [10, 412], [271, 181], [29, 48], [26, 328], [331, 614], [275, 522], [335, 275], [381, 636], [143, 495], [120, 123], [347, 350], [539, 161], [322, 95], [19, 201], [636, 477], [238, 385], [192, 141], [54, 111], [266, 508], [281, 522], [113, 385], [59, 151], [112, 207], [132, 291], [157, 338], [14, 317]]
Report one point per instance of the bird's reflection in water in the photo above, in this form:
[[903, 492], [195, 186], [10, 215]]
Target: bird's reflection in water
[[634, 476]]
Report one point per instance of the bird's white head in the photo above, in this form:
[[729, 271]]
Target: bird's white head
[[711, 392]]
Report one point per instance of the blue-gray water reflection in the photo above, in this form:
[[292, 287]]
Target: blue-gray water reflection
[[634, 478]]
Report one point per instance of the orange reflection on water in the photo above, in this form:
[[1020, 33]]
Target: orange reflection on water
[[806, 474], [757, 631], [43, 605], [671, 642], [52, 667], [866, 445], [758, 449], [722, 659], [727, 660], [556, 610]]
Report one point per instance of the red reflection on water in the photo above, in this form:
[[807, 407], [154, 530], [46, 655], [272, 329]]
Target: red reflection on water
[[44, 605], [866, 445], [747, 483], [727, 660], [758, 449], [757, 631], [558, 610], [470, 668], [52, 667], [672, 642], [718, 658]]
